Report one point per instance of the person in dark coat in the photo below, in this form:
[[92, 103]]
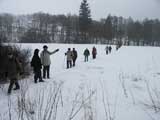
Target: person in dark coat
[[94, 52], [74, 57], [86, 54], [13, 69], [106, 50], [110, 49], [37, 66]]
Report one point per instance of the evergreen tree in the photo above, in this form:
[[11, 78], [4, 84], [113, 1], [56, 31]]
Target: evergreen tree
[[69, 30], [147, 31], [84, 20]]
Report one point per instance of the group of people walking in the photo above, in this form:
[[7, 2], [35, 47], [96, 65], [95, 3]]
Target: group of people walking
[[86, 53], [71, 57], [108, 49], [14, 67], [43, 61]]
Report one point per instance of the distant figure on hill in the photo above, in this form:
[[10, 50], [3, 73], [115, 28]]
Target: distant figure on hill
[[74, 57], [37, 66], [45, 59], [86, 54], [106, 50], [110, 49], [13, 69], [94, 52], [69, 58]]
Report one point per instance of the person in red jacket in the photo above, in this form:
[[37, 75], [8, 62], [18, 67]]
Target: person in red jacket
[[94, 52]]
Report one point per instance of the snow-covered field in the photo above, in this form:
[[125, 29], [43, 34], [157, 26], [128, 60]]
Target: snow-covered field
[[124, 85]]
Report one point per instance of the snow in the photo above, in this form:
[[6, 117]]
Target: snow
[[111, 87]]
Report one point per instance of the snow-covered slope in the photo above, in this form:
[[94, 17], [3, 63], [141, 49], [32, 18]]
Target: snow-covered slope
[[123, 85]]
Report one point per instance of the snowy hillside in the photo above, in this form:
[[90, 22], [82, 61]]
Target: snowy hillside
[[123, 85]]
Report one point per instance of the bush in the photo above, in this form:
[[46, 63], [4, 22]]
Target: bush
[[22, 55]]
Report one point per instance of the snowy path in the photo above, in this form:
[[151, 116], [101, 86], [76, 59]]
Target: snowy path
[[116, 83]]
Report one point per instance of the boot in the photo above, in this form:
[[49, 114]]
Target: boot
[[10, 87], [41, 80], [9, 91], [17, 86], [35, 81]]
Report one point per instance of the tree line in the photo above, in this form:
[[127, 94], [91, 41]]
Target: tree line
[[43, 27]]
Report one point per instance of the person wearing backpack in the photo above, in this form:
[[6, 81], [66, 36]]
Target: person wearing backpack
[[86, 54], [74, 56], [13, 69]]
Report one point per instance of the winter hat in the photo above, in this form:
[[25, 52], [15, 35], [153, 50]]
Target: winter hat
[[36, 51], [45, 46]]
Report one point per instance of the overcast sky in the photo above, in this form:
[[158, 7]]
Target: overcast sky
[[137, 9]]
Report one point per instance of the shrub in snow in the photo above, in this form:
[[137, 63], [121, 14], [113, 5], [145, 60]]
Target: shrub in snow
[[21, 54]]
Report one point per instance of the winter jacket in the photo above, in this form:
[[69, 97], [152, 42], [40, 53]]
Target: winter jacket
[[13, 68], [36, 63], [86, 52], [45, 57], [94, 51], [110, 48], [69, 55], [74, 53]]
